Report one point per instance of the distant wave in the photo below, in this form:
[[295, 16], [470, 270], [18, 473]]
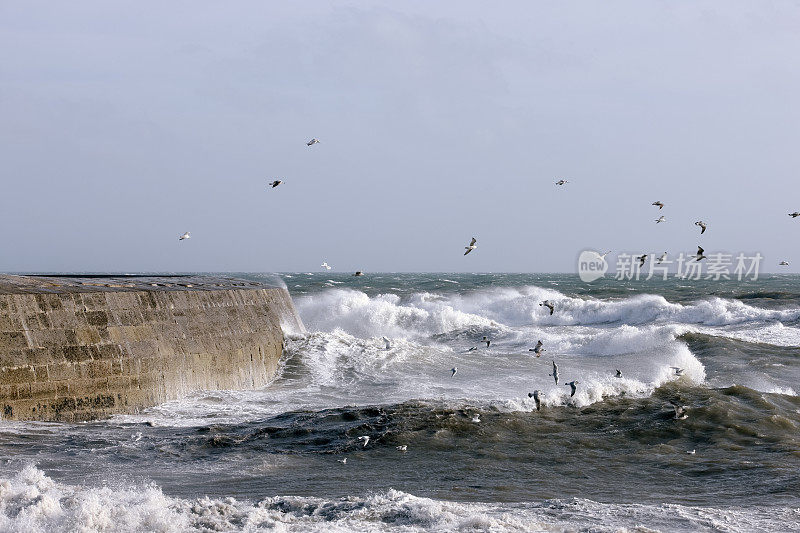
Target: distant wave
[[428, 313]]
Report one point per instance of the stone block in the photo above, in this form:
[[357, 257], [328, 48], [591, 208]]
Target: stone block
[[76, 353], [22, 374], [12, 340], [97, 318]]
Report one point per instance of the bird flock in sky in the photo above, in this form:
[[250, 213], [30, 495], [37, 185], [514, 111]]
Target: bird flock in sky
[[561, 182]]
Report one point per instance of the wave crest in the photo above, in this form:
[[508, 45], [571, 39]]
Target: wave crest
[[31, 501], [500, 308]]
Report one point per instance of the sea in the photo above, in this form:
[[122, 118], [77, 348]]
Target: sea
[[468, 451]]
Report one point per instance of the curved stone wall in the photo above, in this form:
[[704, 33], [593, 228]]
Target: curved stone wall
[[78, 348]]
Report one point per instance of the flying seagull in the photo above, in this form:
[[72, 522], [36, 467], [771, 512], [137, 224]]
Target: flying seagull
[[659, 204], [555, 372], [572, 384], [402, 447], [561, 182], [795, 214], [325, 265], [343, 461], [477, 418], [680, 410], [784, 263], [700, 254], [602, 256], [358, 273], [548, 305], [388, 344], [662, 258], [312, 142], [186, 235], [535, 396], [365, 438], [642, 259], [619, 374], [678, 371], [487, 340], [702, 226], [662, 218], [471, 246], [691, 452], [453, 370], [276, 183], [538, 350]]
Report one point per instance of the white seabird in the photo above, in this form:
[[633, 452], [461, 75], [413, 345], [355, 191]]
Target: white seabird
[[702, 226], [572, 384], [358, 273], [678, 371], [662, 218], [700, 254], [477, 418], [680, 411], [365, 438], [343, 461], [185, 236], [325, 265], [402, 447], [555, 372], [795, 214], [691, 452], [453, 370], [659, 204], [784, 263], [619, 374], [388, 345], [276, 183], [538, 350], [471, 246], [487, 340], [662, 258], [561, 182], [535, 396], [548, 305], [603, 255], [312, 142]]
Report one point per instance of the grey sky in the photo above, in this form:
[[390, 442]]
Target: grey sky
[[124, 124]]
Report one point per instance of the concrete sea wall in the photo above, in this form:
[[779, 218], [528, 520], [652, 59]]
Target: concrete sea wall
[[78, 348]]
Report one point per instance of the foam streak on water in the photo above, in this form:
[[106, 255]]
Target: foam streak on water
[[31, 501]]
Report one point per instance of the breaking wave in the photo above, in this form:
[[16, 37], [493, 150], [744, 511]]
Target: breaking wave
[[31, 501], [426, 313]]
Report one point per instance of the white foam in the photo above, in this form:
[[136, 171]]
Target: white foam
[[503, 307], [327, 370], [776, 334], [356, 313], [32, 502]]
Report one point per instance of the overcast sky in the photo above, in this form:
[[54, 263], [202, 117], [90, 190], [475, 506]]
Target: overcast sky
[[124, 124]]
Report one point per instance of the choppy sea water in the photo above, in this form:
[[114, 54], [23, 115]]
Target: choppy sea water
[[478, 456]]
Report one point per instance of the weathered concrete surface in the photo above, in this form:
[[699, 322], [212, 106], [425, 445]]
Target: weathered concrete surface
[[78, 348]]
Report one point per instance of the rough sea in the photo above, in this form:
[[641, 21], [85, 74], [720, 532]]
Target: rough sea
[[475, 454]]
